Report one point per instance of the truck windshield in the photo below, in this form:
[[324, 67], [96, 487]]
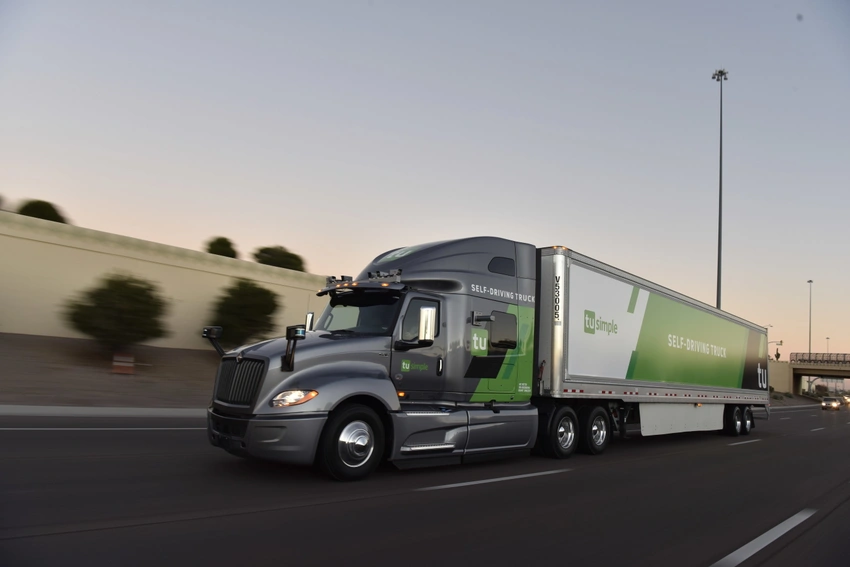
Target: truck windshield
[[361, 312]]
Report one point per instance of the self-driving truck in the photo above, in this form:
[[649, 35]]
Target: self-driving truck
[[483, 347]]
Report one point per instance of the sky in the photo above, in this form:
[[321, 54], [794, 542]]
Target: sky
[[344, 129]]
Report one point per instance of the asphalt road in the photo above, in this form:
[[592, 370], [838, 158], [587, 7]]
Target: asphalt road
[[110, 491]]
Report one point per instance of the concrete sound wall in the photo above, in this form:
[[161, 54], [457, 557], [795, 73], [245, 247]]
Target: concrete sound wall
[[43, 264]]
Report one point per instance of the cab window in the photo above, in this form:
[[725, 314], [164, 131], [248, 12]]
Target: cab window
[[503, 331], [410, 324]]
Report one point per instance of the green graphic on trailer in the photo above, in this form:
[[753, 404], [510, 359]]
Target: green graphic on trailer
[[513, 381], [678, 343]]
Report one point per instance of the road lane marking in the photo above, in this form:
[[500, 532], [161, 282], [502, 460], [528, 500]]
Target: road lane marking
[[103, 428], [781, 418], [489, 480], [744, 442], [818, 428], [742, 554]]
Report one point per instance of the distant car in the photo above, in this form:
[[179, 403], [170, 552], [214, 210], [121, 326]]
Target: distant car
[[831, 403]]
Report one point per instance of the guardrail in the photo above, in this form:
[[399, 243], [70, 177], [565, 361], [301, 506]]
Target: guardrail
[[820, 358]]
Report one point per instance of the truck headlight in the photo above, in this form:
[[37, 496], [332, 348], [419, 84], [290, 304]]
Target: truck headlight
[[293, 398]]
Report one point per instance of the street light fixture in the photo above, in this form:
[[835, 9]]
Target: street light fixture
[[720, 75], [810, 318], [827, 345]]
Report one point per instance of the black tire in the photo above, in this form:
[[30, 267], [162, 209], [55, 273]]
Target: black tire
[[746, 420], [732, 421], [358, 458], [594, 430], [560, 439]]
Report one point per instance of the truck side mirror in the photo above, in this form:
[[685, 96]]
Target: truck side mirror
[[427, 330], [212, 334], [427, 325], [294, 333]]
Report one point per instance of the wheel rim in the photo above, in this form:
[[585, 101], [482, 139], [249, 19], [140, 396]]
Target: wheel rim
[[598, 431], [355, 444], [748, 423], [566, 433], [737, 421]]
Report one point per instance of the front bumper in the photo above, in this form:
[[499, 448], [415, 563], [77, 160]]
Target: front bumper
[[288, 439]]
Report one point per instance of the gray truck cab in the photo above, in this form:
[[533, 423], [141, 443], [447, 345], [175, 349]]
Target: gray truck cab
[[426, 357]]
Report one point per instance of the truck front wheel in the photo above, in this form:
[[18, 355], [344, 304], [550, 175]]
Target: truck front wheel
[[352, 443]]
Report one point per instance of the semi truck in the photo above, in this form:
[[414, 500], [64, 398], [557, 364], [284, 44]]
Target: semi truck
[[482, 347]]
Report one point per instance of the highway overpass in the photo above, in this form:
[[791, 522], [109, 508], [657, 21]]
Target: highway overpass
[[789, 376]]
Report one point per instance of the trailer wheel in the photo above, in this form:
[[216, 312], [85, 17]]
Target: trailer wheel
[[746, 420], [595, 430], [733, 420], [352, 443], [561, 438]]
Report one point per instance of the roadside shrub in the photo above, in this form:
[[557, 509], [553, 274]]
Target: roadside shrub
[[776, 397], [120, 312], [222, 246], [42, 210], [279, 257], [771, 389], [245, 311], [789, 395]]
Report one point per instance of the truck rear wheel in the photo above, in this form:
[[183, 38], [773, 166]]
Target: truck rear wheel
[[352, 443], [732, 420], [746, 420], [561, 437], [595, 430]]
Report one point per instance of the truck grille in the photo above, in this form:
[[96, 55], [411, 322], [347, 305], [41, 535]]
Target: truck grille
[[238, 383], [229, 427]]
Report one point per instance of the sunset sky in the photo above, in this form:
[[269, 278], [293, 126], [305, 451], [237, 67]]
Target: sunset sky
[[344, 129]]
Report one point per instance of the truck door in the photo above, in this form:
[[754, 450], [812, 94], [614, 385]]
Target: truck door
[[494, 350], [419, 369]]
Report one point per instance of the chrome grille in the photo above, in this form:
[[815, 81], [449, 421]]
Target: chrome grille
[[238, 382]]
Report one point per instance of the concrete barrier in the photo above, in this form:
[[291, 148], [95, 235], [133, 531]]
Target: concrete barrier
[[47, 263]]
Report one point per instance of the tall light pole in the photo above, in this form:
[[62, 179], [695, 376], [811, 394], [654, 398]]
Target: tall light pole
[[810, 318], [720, 75], [827, 345]]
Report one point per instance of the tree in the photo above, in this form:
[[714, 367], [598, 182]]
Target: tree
[[245, 312], [222, 246], [280, 257], [120, 312], [42, 210]]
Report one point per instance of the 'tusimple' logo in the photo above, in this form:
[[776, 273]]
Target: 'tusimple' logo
[[407, 366], [593, 324]]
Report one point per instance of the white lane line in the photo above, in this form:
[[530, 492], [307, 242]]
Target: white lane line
[[781, 418], [103, 428], [818, 428], [489, 480], [744, 442], [742, 554]]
